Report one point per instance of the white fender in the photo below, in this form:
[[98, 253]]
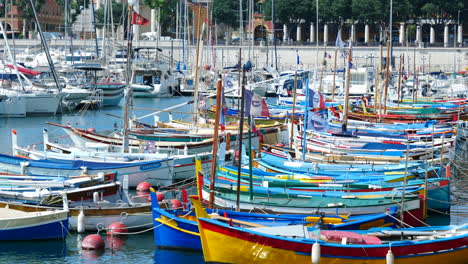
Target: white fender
[[390, 259], [81, 222], [23, 166], [95, 197], [315, 253], [45, 136], [14, 141]]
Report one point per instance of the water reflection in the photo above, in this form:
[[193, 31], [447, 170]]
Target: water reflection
[[178, 256], [31, 251]]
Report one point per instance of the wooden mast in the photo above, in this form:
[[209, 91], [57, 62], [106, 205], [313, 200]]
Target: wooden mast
[[195, 86], [291, 138], [128, 94], [334, 75], [399, 80], [376, 88], [346, 106], [219, 89], [240, 136], [387, 76]]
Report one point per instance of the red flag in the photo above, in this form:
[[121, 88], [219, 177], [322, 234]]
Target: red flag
[[139, 20]]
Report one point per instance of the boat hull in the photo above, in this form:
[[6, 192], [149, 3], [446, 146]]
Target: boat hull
[[47, 226], [222, 244]]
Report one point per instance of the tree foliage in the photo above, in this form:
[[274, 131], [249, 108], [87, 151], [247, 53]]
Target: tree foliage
[[291, 11], [75, 7], [26, 11], [167, 9], [119, 15], [227, 12]]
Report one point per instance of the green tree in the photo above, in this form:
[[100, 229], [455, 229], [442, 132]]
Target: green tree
[[75, 7], [226, 12], [119, 15], [26, 12], [291, 12], [167, 9]]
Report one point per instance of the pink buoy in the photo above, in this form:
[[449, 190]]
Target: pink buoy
[[91, 130], [117, 228], [93, 242], [175, 204], [160, 196], [143, 187]]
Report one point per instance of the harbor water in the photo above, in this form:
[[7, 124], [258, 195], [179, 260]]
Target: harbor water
[[138, 248]]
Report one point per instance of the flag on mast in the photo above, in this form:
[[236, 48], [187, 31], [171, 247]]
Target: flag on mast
[[255, 105], [339, 43], [139, 20]]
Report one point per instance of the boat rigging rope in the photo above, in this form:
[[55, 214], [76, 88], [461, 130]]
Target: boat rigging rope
[[99, 228], [398, 220]]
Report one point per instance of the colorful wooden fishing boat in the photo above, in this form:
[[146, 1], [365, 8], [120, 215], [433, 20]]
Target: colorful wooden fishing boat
[[156, 172], [226, 198], [226, 243], [179, 229], [20, 225]]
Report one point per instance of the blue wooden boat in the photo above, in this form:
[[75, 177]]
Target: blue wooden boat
[[178, 228], [156, 172], [20, 225]]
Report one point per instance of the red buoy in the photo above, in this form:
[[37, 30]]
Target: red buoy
[[143, 195], [91, 130], [160, 196], [117, 228], [175, 204], [143, 187], [280, 145], [93, 242], [116, 242]]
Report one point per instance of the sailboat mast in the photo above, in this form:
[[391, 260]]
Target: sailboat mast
[[128, 94], [214, 166], [387, 76], [291, 138], [346, 101], [195, 86], [11, 55], [46, 48], [399, 80], [306, 117], [334, 76], [240, 136], [95, 33]]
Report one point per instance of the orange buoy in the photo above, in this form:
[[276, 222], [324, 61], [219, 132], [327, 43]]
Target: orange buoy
[[448, 171], [143, 187], [93, 242], [175, 204], [280, 145], [117, 228]]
